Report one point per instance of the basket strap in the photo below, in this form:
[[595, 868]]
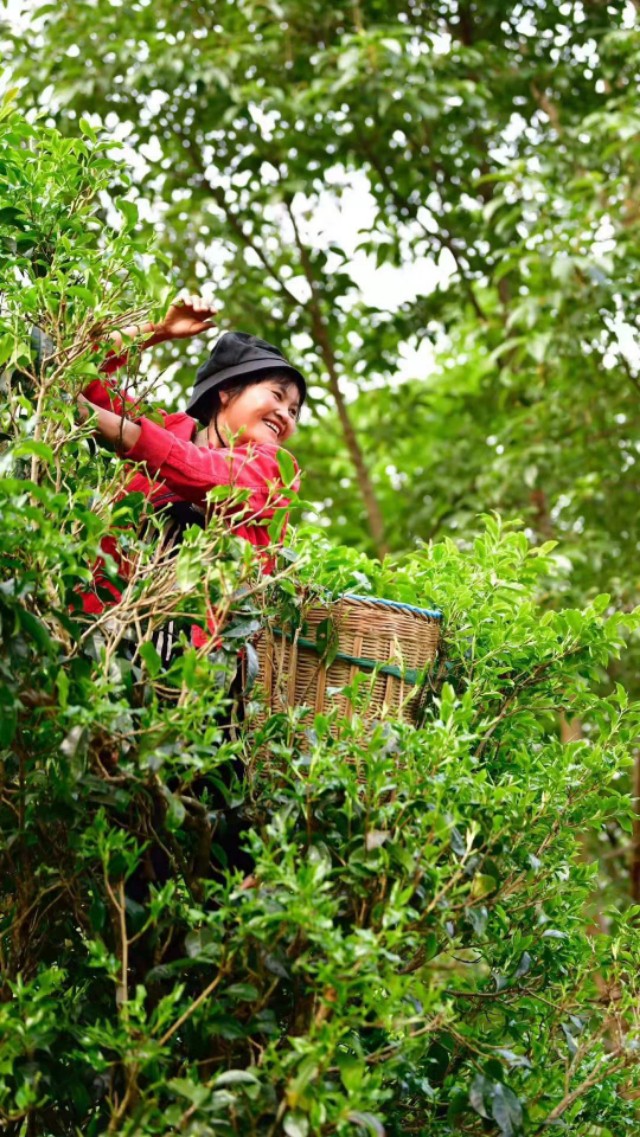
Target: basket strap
[[409, 676], [353, 670], [268, 669]]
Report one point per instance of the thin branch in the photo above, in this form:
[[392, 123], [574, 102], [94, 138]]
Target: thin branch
[[602, 1070], [236, 225], [442, 237], [202, 997]]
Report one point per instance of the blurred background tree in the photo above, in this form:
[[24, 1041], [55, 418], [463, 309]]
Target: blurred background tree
[[487, 162]]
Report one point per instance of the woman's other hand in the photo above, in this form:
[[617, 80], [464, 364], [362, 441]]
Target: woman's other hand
[[84, 408], [187, 317], [118, 431]]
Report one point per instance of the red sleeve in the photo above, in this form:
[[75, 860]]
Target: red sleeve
[[112, 362], [191, 471], [104, 394]]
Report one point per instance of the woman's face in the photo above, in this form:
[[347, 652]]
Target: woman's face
[[263, 412]]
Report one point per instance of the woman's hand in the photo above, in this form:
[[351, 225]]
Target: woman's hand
[[188, 317], [84, 408], [185, 318]]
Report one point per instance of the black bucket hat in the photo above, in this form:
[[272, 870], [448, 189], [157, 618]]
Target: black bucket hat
[[238, 355]]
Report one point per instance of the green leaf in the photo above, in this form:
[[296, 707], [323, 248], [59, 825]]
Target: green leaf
[[82, 293], [191, 1090], [189, 569], [151, 657], [129, 211], [86, 128], [29, 447], [236, 1078], [483, 884], [220, 493], [62, 684], [11, 215], [278, 522], [243, 629], [287, 468], [176, 811], [524, 966], [252, 667], [201, 941], [296, 1125], [8, 716], [506, 1111], [36, 630], [479, 1093], [244, 992], [7, 343], [351, 1071], [367, 1122]]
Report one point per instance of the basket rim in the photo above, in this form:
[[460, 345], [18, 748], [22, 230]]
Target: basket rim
[[432, 613]]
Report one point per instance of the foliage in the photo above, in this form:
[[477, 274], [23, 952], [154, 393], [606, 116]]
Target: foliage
[[493, 151], [413, 954]]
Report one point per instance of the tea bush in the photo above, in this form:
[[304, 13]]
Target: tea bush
[[379, 928]]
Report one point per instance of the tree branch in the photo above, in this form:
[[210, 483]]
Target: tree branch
[[321, 335], [235, 224], [442, 237], [322, 338]]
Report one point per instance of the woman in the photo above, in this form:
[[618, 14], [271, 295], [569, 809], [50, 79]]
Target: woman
[[244, 407]]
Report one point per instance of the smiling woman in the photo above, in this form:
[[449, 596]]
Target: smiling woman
[[246, 398], [238, 363]]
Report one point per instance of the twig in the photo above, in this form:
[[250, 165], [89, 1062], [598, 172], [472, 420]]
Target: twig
[[202, 997]]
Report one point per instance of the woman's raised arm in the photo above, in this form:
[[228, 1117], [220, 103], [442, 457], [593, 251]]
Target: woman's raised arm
[[188, 470], [185, 318]]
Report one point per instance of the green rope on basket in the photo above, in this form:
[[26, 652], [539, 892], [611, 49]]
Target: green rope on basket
[[409, 676]]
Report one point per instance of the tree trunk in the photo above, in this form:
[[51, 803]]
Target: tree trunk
[[320, 333], [570, 729], [634, 870], [363, 477], [324, 345]]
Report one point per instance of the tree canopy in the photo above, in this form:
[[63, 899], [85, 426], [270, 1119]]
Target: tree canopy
[[497, 145]]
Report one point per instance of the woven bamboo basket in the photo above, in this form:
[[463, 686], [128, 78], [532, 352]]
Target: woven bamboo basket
[[393, 643]]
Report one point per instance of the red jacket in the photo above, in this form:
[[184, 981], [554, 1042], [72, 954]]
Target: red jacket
[[175, 469]]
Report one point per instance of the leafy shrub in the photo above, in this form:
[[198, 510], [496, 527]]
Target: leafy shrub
[[413, 955]]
